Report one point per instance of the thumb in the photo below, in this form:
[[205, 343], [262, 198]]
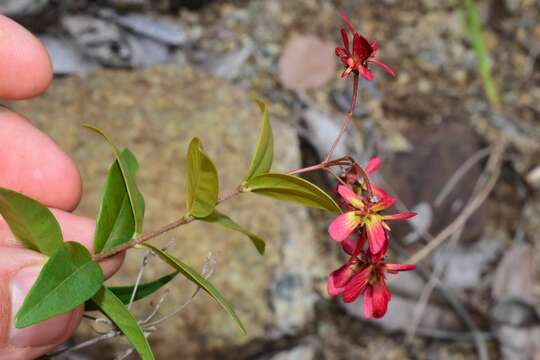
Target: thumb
[[19, 269]]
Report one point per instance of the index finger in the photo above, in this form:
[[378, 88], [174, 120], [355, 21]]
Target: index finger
[[25, 66]]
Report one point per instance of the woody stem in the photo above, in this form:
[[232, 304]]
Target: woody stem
[[148, 236]]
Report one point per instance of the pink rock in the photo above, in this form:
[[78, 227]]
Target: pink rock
[[307, 62]]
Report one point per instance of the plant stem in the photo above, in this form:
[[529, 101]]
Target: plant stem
[[148, 236], [348, 119]]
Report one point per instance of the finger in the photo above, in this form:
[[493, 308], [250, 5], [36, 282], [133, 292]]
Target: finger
[[81, 229], [31, 163], [19, 269], [74, 228], [25, 66]]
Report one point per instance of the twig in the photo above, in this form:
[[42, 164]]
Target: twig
[[156, 308], [459, 173], [421, 305], [106, 336], [440, 334], [138, 279], [145, 237], [207, 272], [494, 169], [453, 300], [129, 351]]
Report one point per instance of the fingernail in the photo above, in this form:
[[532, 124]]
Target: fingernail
[[45, 333]]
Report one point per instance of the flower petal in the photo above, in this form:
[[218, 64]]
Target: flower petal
[[381, 297], [345, 38], [401, 216], [343, 54], [373, 165], [368, 302], [338, 279], [353, 247], [366, 73], [376, 257], [347, 21], [385, 67], [394, 268], [349, 245], [374, 47], [342, 226], [361, 49], [346, 72], [350, 197], [356, 286], [377, 237]]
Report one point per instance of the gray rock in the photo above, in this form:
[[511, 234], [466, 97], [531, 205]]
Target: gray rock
[[161, 30], [66, 58], [21, 8], [99, 39], [306, 350], [464, 264], [230, 65]]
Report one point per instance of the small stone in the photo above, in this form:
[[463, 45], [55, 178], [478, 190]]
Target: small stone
[[533, 177], [307, 62]]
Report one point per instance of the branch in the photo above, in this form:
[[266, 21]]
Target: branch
[[145, 237]]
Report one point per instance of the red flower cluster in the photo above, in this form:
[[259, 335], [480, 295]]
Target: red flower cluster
[[365, 271]]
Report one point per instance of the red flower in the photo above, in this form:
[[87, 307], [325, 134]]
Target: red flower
[[362, 54], [365, 274], [365, 214]]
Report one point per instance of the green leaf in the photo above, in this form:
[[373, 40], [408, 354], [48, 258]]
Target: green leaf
[[202, 181], [31, 223], [293, 189], [115, 224], [200, 281], [119, 314], [143, 290], [264, 151], [135, 197], [67, 280], [223, 220]]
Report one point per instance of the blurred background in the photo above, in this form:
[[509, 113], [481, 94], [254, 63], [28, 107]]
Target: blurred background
[[458, 131]]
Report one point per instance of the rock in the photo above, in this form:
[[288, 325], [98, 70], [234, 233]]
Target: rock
[[420, 175], [230, 65], [321, 129], [66, 58], [518, 343], [400, 314], [130, 41], [99, 39], [420, 223], [155, 113], [516, 321], [514, 312], [306, 350], [514, 276], [22, 8], [465, 264], [306, 63], [533, 177], [164, 31]]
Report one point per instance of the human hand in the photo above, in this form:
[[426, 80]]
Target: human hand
[[33, 164]]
